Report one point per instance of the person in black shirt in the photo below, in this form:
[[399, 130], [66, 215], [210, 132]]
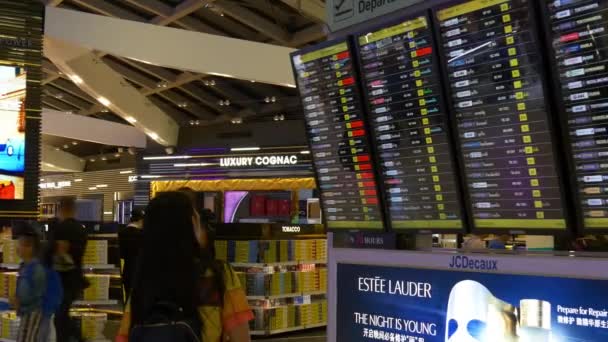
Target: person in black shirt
[[129, 239], [65, 252]]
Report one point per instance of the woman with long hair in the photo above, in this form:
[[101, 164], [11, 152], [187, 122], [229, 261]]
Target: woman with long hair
[[175, 266]]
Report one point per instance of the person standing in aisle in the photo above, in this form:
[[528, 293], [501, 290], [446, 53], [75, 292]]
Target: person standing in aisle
[[130, 240], [66, 246], [177, 281], [31, 287]]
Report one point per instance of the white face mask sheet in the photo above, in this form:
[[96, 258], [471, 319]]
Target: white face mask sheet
[[475, 315]]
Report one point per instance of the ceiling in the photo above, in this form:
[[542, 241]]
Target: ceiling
[[188, 97]]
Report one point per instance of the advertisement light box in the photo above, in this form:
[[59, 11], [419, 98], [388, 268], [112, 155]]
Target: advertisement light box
[[468, 298]]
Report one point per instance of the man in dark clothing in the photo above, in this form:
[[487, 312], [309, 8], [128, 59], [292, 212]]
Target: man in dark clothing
[[130, 240], [66, 246]]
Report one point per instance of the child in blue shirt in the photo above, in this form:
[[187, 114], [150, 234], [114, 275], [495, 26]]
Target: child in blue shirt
[[31, 288]]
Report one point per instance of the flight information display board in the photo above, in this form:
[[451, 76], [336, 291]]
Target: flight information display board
[[579, 31], [493, 64], [337, 133], [409, 126]]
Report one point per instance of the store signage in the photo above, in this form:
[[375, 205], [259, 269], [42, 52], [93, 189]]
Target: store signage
[[390, 303], [278, 160], [133, 179], [291, 229], [16, 42], [55, 185], [345, 13]]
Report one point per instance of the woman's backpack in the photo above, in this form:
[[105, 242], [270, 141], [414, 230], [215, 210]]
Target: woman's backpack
[[166, 322]]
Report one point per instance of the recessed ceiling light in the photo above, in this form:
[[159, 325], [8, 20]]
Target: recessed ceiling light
[[74, 143], [66, 146], [104, 158], [92, 160]]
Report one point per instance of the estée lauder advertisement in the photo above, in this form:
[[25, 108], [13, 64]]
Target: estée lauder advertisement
[[380, 303], [12, 132]]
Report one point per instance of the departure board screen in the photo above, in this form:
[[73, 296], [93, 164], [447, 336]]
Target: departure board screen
[[579, 32], [337, 133], [409, 126], [493, 65]]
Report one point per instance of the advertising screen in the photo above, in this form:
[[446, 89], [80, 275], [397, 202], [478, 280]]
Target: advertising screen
[[12, 132], [338, 136], [504, 126], [408, 121], [578, 34], [381, 303]]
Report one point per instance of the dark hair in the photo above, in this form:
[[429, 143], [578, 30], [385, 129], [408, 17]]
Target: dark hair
[[169, 264], [27, 232]]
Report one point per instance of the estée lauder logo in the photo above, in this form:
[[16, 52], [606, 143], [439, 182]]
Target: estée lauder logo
[[16, 42]]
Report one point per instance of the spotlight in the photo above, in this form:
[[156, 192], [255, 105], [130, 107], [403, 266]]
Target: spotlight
[[197, 122], [170, 150], [267, 99], [273, 99], [104, 158]]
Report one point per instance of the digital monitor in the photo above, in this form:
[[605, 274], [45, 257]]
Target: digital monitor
[[409, 124], [578, 35], [493, 62], [338, 136], [12, 132]]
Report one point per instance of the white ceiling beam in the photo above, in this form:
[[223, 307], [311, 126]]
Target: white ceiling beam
[[312, 9], [110, 88], [182, 50], [78, 127], [59, 161]]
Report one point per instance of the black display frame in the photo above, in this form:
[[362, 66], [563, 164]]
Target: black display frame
[[27, 54], [357, 85], [553, 78], [406, 15], [533, 14]]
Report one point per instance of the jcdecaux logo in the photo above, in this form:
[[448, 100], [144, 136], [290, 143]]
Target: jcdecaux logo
[[464, 262]]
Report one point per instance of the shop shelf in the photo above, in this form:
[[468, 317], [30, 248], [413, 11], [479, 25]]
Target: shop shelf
[[95, 302], [283, 331], [284, 263], [287, 295], [85, 267]]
